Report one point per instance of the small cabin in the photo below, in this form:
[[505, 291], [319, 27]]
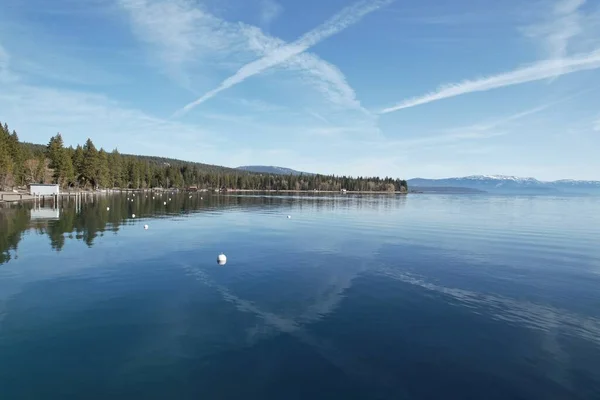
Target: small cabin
[[39, 189], [45, 214], [343, 191]]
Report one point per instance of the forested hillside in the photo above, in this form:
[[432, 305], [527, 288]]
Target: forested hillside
[[85, 166]]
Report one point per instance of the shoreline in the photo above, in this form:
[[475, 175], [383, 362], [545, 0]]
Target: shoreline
[[10, 197], [312, 191]]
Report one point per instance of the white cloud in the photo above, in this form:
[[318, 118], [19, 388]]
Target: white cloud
[[323, 76], [470, 133], [258, 105], [537, 71], [339, 22], [560, 25], [342, 131], [269, 11], [5, 74], [38, 113], [3, 61], [566, 7], [318, 116], [183, 36]]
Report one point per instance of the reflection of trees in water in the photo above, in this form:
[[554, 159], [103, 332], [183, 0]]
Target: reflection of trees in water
[[92, 218], [84, 225], [13, 222]]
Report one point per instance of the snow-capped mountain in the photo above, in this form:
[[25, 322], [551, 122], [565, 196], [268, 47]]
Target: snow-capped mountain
[[510, 184]]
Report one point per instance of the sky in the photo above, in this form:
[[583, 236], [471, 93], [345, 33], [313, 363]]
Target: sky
[[348, 87]]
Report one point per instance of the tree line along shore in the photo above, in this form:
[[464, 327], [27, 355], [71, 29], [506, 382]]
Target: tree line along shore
[[87, 168]]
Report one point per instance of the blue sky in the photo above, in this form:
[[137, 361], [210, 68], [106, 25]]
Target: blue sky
[[372, 87]]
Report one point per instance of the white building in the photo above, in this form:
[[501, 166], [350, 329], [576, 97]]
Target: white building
[[45, 214], [39, 189]]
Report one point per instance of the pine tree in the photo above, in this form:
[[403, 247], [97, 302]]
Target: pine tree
[[103, 171], [90, 164], [69, 177], [135, 173], [77, 161], [17, 155], [58, 160], [40, 172], [6, 162], [115, 166]]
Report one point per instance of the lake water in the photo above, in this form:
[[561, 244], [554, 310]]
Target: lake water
[[353, 297]]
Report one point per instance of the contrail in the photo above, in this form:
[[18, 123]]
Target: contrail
[[336, 24], [538, 71]]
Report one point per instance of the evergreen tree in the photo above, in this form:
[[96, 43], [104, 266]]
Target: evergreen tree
[[69, 177], [59, 161], [17, 155], [90, 164], [40, 172], [115, 169], [90, 167], [6, 162], [77, 161], [103, 171], [147, 178]]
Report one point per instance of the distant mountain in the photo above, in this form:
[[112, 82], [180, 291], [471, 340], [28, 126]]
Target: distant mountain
[[264, 169], [509, 185], [444, 190]]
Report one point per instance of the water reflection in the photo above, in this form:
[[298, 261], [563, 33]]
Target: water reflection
[[94, 214], [420, 297]]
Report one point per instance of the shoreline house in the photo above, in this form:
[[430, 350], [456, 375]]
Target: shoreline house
[[40, 189]]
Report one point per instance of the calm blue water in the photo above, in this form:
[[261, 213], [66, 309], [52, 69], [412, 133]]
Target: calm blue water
[[372, 297]]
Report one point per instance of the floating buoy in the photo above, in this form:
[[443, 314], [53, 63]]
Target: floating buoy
[[165, 203], [190, 197], [146, 227], [221, 259], [169, 199], [132, 215], [200, 198], [107, 208], [134, 195], [289, 216], [153, 197], [132, 200]]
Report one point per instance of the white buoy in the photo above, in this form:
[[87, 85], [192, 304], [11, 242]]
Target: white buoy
[[201, 198], [169, 199], [289, 216], [146, 227], [134, 195], [132, 200], [132, 215], [153, 197], [190, 197], [107, 208], [221, 259], [165, 203]]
